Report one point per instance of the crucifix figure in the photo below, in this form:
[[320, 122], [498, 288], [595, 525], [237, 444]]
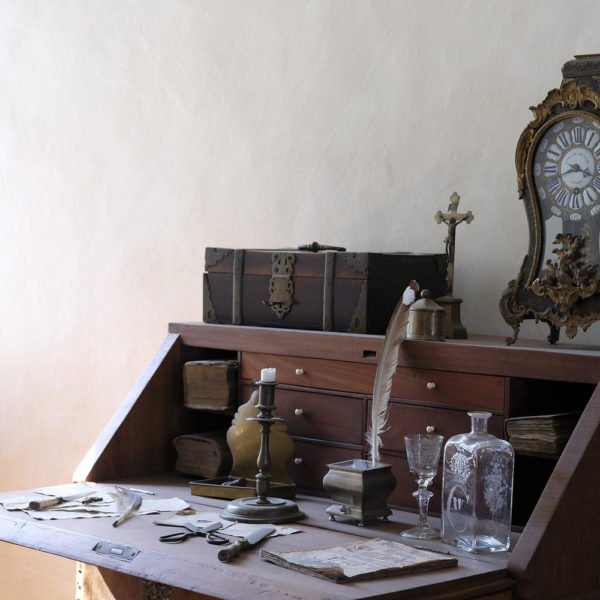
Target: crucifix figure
[[452, 218], [453, 328]]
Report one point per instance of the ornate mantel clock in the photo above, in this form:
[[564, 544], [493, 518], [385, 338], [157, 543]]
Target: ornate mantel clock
[[558, 176]]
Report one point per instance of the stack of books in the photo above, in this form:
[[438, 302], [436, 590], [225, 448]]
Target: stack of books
[[541, 434]]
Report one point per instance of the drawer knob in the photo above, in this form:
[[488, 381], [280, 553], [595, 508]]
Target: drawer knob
[[298, 460], [299, 371], [430, 429], [431, 385], [298, 412]]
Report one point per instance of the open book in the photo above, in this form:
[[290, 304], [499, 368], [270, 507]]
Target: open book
[[359, 560]]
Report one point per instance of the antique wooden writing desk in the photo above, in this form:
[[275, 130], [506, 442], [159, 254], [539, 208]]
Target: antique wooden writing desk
[[325, 380]]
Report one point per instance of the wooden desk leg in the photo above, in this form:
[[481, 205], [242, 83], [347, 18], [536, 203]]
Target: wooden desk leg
[[94, 583]]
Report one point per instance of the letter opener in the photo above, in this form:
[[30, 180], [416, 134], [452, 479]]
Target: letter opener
[[54, 500], [229, 553]]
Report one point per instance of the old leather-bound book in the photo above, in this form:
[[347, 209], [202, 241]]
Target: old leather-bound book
[[203, 454], [210, 384]]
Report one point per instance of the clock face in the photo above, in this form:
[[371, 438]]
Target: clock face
[[566, 168], [566, 177]]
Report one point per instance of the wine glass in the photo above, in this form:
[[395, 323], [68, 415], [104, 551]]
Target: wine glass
[[423, 454]]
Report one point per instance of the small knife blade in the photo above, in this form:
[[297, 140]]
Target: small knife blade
[[235, 549], [54, 500]]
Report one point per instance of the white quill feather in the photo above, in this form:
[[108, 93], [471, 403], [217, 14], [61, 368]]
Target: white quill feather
[[386, 369], [127, 501]]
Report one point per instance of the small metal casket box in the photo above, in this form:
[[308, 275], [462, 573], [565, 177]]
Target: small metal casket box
[[353, 292]]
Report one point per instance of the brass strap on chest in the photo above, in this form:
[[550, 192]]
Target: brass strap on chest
[[328, 275], [236, 299], [281, 285]]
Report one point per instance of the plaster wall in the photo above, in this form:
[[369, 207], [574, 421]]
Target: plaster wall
[[133, 134]]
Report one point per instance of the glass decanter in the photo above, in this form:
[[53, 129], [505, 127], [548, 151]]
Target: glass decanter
[[477, 489]]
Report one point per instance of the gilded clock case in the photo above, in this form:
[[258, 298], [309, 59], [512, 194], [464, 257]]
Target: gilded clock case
[[565, 292]]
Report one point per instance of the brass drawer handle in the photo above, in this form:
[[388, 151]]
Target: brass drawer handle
[[299, 371], [298, 412], [298, 460], [431, 385], [430, 429]]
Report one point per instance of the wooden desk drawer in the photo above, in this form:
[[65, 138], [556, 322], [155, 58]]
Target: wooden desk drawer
[[310, 464], [321, 416], [407, 418], [470, 391], [312, 372], [483, 392]]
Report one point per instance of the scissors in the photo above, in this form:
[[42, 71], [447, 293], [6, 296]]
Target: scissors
[[192, 530]]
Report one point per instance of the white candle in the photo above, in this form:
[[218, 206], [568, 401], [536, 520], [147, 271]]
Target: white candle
[[268, 374]]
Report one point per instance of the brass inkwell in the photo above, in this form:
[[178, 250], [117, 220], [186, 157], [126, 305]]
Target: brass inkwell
[[359, 490]]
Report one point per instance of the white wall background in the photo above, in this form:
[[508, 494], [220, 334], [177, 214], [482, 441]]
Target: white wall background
[[134, 133]]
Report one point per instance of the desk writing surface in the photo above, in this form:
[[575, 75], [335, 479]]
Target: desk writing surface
[[193, 565]]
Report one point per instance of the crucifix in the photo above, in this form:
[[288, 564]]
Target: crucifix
[[451, 305]]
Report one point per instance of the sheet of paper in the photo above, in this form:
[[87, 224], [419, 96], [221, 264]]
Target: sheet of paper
[[56, 514], [67, 489], [200, 519], [242, 530], [16, 503], [105, 507], [231, 528]]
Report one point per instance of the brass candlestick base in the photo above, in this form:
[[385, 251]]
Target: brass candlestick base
[[262, 509], [452, 328], [251, 510]]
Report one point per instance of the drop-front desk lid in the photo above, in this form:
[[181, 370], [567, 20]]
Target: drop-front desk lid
[[133, 548]]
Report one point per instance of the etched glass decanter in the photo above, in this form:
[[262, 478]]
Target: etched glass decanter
[[477, 489]]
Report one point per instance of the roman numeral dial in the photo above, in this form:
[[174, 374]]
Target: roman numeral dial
[[566, 167]]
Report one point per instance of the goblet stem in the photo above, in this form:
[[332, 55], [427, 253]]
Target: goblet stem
[[423, 495]]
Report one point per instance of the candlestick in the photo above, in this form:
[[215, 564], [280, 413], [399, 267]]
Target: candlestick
[[262, 508]]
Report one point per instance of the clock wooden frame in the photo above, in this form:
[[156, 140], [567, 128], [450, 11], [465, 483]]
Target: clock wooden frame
[[565, 292]]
